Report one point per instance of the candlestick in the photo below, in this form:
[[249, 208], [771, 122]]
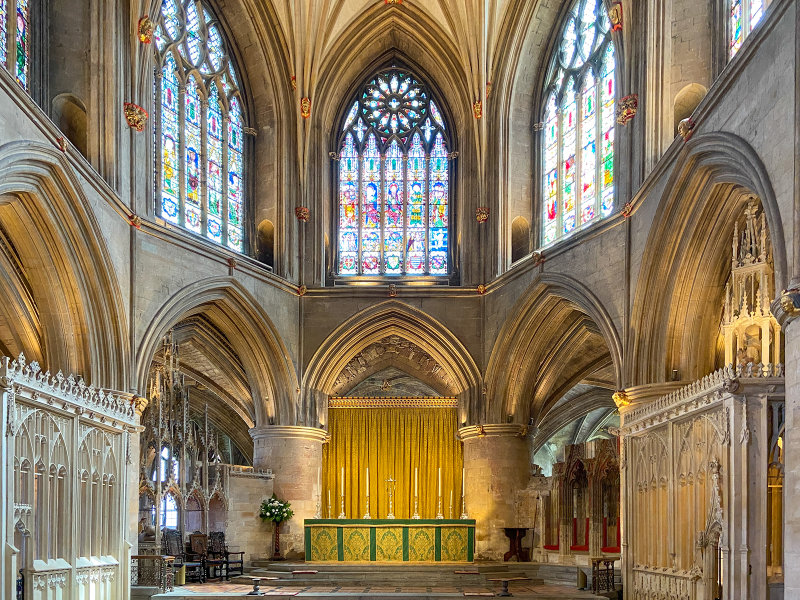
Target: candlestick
[[341, 512], [416, 497], [366, 514], [463, 480], [390, 485]]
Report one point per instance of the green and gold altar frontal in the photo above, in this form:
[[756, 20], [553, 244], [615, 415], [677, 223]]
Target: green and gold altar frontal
[[389, 540]]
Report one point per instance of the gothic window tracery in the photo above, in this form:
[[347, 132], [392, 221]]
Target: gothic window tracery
[[199, 126], [744, 16], [14, 39], [578, 141], [394, 180]]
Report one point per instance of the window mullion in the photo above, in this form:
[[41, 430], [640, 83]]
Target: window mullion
[[203, 195], [182, 152], [598, 145], [360, 162], [382, 198], [225, 152], [157, 143]]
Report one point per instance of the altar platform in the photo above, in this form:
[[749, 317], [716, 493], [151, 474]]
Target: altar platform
[[375, 581], [389, 540]]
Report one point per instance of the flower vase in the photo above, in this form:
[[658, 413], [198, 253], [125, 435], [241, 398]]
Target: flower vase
[[276, 550]]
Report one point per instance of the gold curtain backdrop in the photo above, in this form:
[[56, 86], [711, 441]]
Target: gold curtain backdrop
[[392, 442]]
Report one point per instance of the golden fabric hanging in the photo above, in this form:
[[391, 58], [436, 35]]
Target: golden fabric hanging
[[391, 442]]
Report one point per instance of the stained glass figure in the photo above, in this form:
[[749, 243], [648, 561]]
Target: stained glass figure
[[199, 115], [578, 132], [3, 32], [22, 44], [744, 16], [394, 194]]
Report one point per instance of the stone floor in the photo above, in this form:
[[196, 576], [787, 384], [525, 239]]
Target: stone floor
[[518, 589]]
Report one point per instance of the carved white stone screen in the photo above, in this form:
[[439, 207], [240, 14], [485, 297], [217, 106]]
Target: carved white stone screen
[[64, 446]]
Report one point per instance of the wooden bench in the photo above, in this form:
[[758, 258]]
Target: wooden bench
[[505, 580]]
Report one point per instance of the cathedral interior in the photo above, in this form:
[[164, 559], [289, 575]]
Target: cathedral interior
[[359, 298]]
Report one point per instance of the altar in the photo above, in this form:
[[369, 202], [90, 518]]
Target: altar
[[389, 540]]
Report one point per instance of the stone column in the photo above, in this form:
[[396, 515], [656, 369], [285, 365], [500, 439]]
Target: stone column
[[787, 310], [295, 456], [496, 466]]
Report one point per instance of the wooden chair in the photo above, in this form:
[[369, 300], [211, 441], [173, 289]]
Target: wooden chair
[[214, 567], [174, 546], [219, 549]]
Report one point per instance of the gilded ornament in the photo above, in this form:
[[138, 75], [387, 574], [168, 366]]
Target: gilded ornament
[[482, 214], [477, 109], [62, 143], [627, 108], [481, 289], [135, 221], [538, 258], [135, 115], [145, 30], [302, 290], [392, 1], [392, 291], [620, 398], [790, 302], [302, 213], [686, 128], [488, 88], [627, 210], [293, 81], [615, 16], [333, 155], [305, 107], [232, 263]]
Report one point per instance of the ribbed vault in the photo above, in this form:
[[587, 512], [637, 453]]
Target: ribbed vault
[[62, 304], [678, 302], [237, 350], [557, 336]]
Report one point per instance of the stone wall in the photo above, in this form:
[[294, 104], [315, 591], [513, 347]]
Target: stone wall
[[244, 529]]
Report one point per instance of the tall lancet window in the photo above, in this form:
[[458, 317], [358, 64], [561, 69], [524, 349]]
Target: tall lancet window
[[394, 180], [199, 126], [744, 16], [14, 39], [578, 140]]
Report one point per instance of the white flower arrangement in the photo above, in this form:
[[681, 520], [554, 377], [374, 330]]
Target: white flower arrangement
[[276, 510]]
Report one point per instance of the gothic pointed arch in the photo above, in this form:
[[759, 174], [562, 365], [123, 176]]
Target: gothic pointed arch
[[263, 358], [391, 334], [199, 121], [579, 118], [59, 277], [557, 335], [687, 257]]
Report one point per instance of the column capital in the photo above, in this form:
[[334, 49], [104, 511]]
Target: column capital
[[493, 430], [289, 431]]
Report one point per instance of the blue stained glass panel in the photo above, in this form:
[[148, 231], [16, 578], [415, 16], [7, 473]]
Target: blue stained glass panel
[[3, 31], [22, 44], [170, 169]]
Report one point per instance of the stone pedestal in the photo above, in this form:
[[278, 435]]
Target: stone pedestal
[[496, 466], [295, 456]]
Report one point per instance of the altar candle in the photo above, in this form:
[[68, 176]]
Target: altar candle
[[367, 482], [463, 482], [415, 482], [451, 503], [440, 481], [342, 481], [329, 501]]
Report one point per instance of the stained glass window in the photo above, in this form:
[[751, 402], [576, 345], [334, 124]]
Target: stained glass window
[[199, 126], [15, 39], [744, 16], [394, 181], [578, 125]]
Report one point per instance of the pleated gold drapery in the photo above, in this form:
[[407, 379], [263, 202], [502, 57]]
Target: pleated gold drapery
[[392, 442]]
